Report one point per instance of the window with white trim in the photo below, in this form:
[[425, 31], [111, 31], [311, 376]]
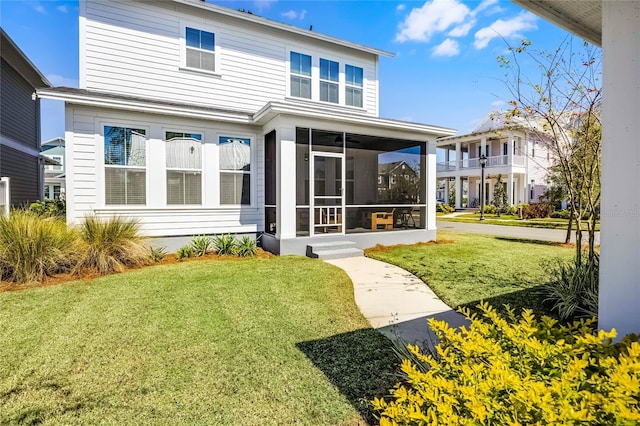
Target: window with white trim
[[184, 168], [200, 49], [235, 170], [329, 80], [354, 77], [300, 75], [125, 165]]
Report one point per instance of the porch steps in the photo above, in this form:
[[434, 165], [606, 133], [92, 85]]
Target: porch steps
[[333, 250]]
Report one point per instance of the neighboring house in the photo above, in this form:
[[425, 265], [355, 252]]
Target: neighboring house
[[54, 181], [20, 124], [195, 118], [398, 181], [514, 152]]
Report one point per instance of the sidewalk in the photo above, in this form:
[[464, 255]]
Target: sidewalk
[[395, 302]]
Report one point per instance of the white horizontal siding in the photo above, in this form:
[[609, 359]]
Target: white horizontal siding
[[134, 48], [86, 176]]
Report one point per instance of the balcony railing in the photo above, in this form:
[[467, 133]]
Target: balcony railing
[[474, 163]]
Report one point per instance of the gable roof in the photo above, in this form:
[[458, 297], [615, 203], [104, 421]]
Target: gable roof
[[15, 57], [249, 17]]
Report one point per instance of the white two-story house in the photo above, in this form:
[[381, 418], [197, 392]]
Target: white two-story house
[[520, 156], [197, 119]]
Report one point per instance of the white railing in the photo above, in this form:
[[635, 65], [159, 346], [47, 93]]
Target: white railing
[[328, 218], [474, 163], [4, 196]]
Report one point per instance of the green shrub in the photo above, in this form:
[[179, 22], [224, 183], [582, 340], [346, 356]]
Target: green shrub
[[561, 214], [201, 245], [185, 252], [246, 247], [536, 210], [518, 371], [48, 208], [573, 289], [111, 244], [490, 209], [156, 254], [444, 208], [33, 246], [225, 244], [512, 210]]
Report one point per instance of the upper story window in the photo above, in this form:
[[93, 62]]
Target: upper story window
[[353, 85], [329, 78], [184, 167], [235, 170], [200, 49], [125, 157], [300, 75]]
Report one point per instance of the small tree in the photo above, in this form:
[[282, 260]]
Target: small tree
[[561, 105], [500, 199]]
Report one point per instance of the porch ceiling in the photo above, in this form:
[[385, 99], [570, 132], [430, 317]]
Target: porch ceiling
[[581, 17]]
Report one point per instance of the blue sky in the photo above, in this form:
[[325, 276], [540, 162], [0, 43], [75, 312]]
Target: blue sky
[[444, 73]]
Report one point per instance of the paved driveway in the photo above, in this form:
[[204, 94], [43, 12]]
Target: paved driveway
[[556, 235]]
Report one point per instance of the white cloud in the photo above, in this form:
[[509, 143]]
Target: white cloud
[[40, 8], [401, 7], [62, 8], [261, 5], [447, 48], [509, 28], [498, 103], [58, 80], [292, 14], [462, 30], [484, 5], [433, 17]]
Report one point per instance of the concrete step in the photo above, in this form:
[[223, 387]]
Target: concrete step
[[333, 250], [328, 254]]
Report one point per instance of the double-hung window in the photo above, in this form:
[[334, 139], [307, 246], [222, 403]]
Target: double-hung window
[[235, 170], [125, 165], [200, 49], [353, 85], [329, 71], [300, 72], [184, 168]]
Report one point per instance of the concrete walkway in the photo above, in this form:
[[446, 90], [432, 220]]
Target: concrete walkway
[[394, 301]]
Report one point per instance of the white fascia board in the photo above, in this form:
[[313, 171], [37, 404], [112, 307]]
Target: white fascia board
[[147, 107], [273, 109], [281, 26]]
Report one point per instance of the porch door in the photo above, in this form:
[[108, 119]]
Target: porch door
[[327, 187]]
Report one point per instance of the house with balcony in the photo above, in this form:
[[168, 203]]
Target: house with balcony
[[198, 119], [516, 153]]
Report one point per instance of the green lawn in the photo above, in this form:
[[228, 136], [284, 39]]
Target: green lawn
[[509, 220], [463, 269], [259, 341]]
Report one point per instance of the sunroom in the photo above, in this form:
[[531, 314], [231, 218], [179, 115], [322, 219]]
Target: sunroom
[[361, 179]]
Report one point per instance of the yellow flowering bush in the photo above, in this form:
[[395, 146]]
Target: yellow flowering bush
[[518, 371]]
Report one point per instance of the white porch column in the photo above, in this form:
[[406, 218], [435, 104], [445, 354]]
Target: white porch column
[[458, 157], [619, 303], [483, 144], [286, 183], [446, 190], [510, 144], [510, 189], [431, 185], [458, 192]]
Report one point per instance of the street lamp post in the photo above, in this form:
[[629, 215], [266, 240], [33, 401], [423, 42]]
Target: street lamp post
[[483, 163]]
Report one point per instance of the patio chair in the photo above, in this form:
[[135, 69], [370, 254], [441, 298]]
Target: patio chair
[[382, 218]]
